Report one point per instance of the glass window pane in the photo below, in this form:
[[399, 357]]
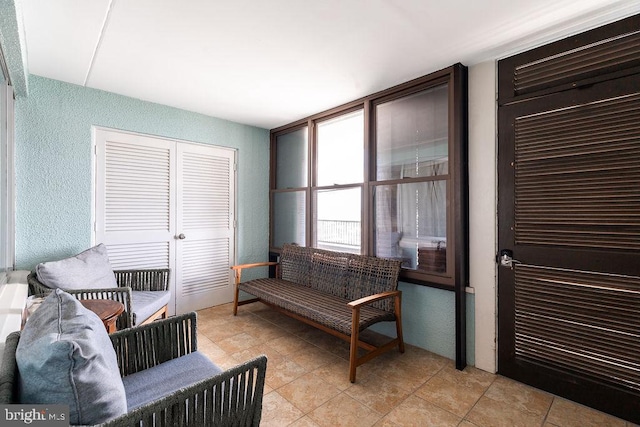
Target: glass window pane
[[338, 220], [289, 218], [411, 224], [341, 150], [291, 159], [412, 135]]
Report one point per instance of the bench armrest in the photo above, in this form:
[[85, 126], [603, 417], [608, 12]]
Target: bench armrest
[[372, 298], [238, 268]]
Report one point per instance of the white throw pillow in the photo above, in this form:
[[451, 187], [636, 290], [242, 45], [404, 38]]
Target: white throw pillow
[[87, 270]]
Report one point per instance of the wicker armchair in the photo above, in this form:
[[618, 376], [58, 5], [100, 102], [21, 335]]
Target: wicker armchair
[[131, 284], [231, 398]]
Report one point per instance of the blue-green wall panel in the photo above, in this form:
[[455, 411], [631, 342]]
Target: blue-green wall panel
[[54, 161], [428, 320]]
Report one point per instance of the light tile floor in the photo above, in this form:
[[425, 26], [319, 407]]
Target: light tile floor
[[307, 381]]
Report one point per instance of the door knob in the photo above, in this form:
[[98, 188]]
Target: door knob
[[181, 236]]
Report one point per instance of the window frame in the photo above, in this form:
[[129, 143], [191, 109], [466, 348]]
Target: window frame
[[7, 179], [455, 76]]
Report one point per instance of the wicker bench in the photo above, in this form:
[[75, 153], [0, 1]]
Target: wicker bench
[[339, 293]]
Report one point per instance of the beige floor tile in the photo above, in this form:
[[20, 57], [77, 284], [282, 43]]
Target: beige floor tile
[[420, 358], [218, 332], [225, 362], [267, 389], [469, 377], [264, 332], [345, 411], [288, 344], [271, 315], [304, 422], [564, 413], [377, 393], [408, 377], [211, 350], [273, 357], [277, 411], [313, 358], [279, 374], [338, 374], [326, 342], [384, 422], [308, 392], [454, 390], [520, 396], [237, 343], [492, 413], [417, 388], [417, 412]]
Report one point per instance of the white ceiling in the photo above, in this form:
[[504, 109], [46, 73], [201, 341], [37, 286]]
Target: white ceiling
[[271, 62]]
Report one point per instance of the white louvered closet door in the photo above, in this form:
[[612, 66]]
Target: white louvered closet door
[[150, 192], [205, 226]]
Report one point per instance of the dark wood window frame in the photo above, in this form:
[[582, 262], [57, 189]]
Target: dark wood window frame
[[457, 223]]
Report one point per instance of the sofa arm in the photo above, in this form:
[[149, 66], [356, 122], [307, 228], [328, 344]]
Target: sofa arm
[[372, 298], [144, 280], [35, 287], [145, 346], [232, 397], [122, 295], [238, 268]]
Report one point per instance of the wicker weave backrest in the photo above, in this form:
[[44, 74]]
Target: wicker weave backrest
[[329, 272], [370, 275], [345, 275], [295, 264]]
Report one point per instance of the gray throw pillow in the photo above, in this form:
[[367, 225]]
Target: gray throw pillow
[[65, 356], [87, 270]]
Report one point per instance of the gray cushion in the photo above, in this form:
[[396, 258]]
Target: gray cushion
[[87, 270], [145, 303], [66, 357], [163, 379]]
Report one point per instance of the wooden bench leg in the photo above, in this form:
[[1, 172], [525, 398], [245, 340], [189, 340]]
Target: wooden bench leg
[[353, 353], [235, 300]]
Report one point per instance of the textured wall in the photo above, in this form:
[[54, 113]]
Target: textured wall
[[428, 320], [54, 161]]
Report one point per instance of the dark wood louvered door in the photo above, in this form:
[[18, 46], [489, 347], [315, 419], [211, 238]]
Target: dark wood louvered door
[[569, 215]]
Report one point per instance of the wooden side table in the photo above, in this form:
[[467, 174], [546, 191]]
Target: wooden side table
[[107, 310]]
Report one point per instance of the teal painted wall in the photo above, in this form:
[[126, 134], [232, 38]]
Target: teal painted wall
[[54, 161], [428, 320]]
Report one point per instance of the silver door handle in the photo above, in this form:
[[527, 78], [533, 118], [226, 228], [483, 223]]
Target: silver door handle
[[505, 259], [181, 236]]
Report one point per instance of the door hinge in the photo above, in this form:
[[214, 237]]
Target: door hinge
[[235, 167]]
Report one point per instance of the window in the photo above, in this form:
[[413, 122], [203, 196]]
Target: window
[[383, 176]]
